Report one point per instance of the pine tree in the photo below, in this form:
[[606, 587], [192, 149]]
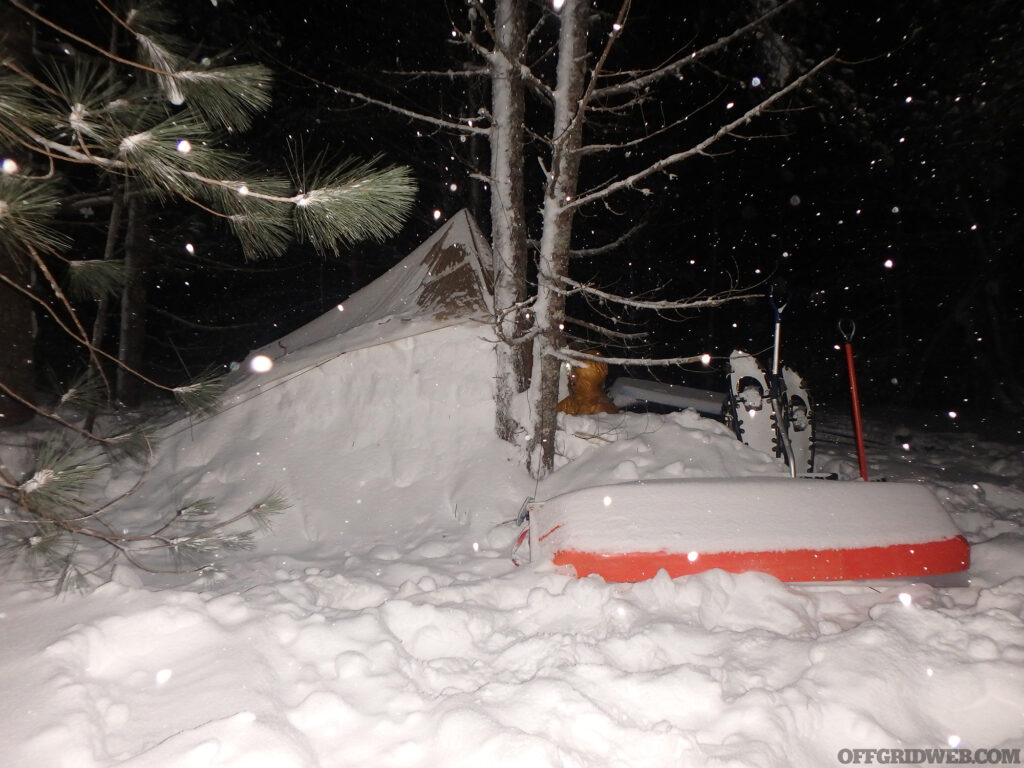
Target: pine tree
[[139, 121]]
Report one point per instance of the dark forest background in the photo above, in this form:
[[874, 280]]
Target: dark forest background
[[889, 193]]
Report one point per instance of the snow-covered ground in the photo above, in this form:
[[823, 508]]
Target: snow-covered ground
[[383, 623]]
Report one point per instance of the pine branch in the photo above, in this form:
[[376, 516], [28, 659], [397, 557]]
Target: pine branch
[[85, 393], [27, 209], [47, 414], [83, 41], [260, 221], [354, 202], [203, 395], [227, 97], [94, 278], [135, 444], [84, 92], [59, 478], [50, 519], [163, 64]]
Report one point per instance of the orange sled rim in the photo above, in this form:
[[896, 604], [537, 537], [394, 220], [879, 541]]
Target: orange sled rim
[[794, 530]]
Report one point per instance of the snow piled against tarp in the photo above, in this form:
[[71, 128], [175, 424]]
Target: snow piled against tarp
[[377, 442], [390, 391]]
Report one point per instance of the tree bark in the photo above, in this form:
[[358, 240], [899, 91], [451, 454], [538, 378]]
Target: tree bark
[[562, 181], [99, 325], [508, 210], [137, 256]]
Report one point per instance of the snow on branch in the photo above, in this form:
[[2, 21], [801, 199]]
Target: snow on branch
[[700, 148], [695, 302], [608, 332], [450, 74], [573, 356]]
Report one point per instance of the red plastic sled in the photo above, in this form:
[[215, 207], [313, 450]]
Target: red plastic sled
[[795, 530]]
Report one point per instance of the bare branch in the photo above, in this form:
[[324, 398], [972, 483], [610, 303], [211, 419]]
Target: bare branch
[[50, 416], [700, 148], [199, 326], [537, 85], [573, 356], [450, 74], [637, 84], [83, 339], [696, 302], [470, 39], [591, 149], [413, 115], [588, 94], [608, 332], [614, 245], [87, 43]]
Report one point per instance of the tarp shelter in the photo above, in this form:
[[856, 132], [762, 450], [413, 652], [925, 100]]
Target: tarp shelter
[[388, 390], [446, 280]]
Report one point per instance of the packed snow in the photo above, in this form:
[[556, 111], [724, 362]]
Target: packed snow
[[384, 624], [709, 516]]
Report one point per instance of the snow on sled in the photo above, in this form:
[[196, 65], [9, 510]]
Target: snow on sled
[[795, 530]]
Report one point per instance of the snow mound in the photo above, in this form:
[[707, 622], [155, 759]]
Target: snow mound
[[381, 444]]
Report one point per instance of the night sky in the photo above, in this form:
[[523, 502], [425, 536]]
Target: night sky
[[889, 192]]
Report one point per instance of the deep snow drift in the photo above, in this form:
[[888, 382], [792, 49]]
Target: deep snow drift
[[383, 623]]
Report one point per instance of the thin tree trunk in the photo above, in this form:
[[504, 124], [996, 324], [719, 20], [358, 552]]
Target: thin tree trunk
[[508, 211], [17, 343], [99, 325], [563, 177], [137, 255]]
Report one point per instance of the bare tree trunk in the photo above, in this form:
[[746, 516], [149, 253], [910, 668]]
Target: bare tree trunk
[[99, 325], [137, 255], [563, 177], [17, 342], [508, 211]]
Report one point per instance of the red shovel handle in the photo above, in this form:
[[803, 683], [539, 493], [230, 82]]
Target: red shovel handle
[[858, 430]]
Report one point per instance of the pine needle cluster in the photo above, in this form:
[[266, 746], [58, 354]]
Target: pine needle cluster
[[143, 115], [58, 525], [162, 120]]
